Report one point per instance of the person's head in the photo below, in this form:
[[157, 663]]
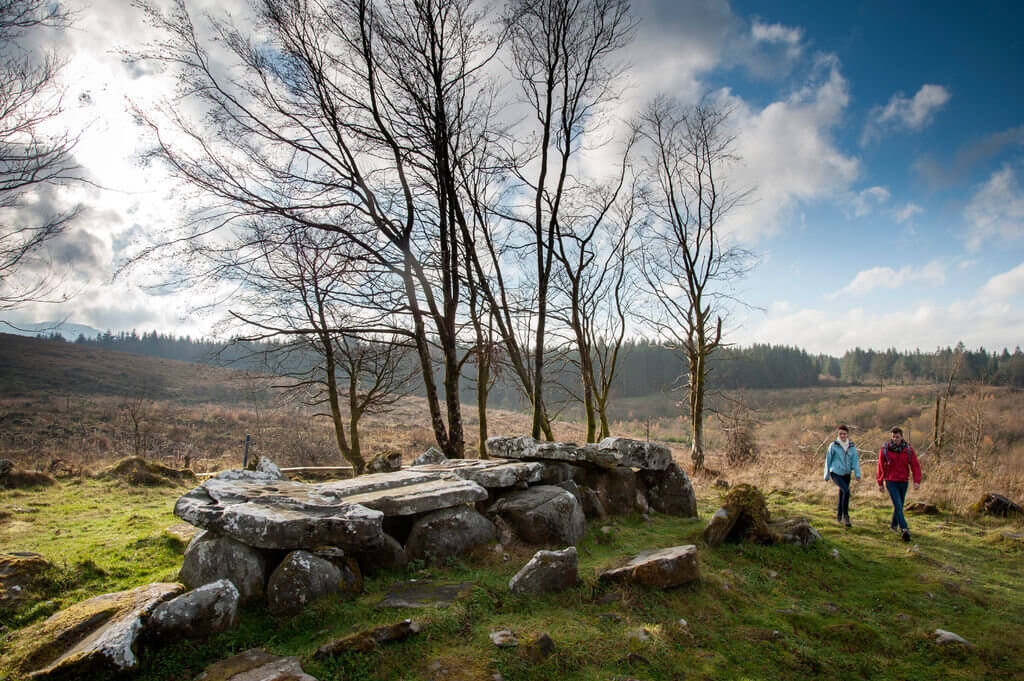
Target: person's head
[[897, 434], [842, 431]]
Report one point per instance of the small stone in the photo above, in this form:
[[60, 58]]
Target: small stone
[[539, 649], [772, 574], [255, 665], [503, 638], [946, 637], [835, 553], [638, 634], [683, 623], [368, 640], [546, 572]]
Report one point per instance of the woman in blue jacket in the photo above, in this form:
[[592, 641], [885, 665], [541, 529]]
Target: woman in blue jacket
[[842, 461]]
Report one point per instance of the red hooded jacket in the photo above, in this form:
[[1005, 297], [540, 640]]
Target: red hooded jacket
[[896, 466]]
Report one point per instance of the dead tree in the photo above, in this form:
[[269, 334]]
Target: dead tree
[[688, 265], [30, 98]]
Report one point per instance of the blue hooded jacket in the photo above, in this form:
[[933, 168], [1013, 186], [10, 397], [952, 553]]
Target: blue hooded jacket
[[842, 463]]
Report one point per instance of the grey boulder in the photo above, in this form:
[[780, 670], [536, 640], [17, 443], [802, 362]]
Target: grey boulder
[[432, 455], [670, 491], [795, 531], [446, 533], [211, 557], [637, 453], [720, 526], [256, 664], [267, 513], [662, 568], [388, 556], [300, 579], [545, 515], [202, 612], [547, 571], [615, 487]]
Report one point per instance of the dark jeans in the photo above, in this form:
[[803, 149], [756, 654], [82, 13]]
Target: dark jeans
[[843, 505], [898, 493]]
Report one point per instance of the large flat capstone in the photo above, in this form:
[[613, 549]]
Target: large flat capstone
[[610, 452], [421, 497], [489, 473], [277, 514]]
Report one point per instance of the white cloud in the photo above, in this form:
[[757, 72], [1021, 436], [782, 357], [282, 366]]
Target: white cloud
[[866, 281], [865, 201], [908, 211], [996, 211], [903, 113], [788, 152], [776, 33], [904, 326], [1006, 285]]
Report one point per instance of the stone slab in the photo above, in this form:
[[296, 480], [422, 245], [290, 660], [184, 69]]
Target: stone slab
[[279, 514], [420, 594], [609, 453], [489, 473], [421, 497]]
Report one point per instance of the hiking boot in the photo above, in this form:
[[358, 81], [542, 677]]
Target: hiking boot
[[846, 522], [906, 536]]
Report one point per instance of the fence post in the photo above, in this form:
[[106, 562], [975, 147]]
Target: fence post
[[245, 457]]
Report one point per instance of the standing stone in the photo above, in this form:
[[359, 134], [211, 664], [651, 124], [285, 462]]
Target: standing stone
[[265, 465], [210, 557], [545, 515], [615, 487], [389, 555], [547, 571], [592, 506], [660, 568], [300, 579], [199, 613], [670, 491], [432, 455], [449, 532], [92, 637]]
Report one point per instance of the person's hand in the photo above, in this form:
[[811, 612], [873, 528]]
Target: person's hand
[[917, 486], [880, 489]]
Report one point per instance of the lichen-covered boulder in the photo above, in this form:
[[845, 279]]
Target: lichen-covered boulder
[[211, 557], [797, 531], [255, 664], [663, 568], [300, 579], [93, 637], [202, 612], [546, 572], [432, 455], [545, 515], [448, 532], [744, 515], [996, 504], [385, 462], [670, 491]]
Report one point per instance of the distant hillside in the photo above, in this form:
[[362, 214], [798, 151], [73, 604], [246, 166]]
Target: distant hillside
[[30, 366], [69, 330]]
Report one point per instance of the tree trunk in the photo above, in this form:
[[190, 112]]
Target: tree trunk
[[697, 410], [602, 411], [352, 456], [483, 378]]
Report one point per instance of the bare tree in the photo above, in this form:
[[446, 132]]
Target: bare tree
[[307, 289], [688, 266], [345, 117], [29, 158], [563, 58], [593, 248]]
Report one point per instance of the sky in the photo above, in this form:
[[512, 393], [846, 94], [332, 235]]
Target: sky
[[883, 144]]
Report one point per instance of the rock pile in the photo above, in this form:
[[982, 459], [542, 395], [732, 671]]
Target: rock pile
[[744, 516]]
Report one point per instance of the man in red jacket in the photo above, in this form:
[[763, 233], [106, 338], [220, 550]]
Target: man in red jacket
[[896, 461]]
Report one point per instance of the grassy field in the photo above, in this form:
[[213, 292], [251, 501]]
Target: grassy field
[[778, 612], [757, 613]]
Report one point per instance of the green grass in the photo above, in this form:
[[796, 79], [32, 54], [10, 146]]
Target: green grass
[[867, 614]]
